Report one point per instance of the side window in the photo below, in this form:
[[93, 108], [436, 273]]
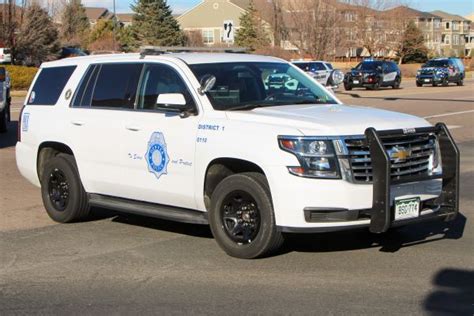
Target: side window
[[116, 86], [49, 85], [160, 79], [84, 94]]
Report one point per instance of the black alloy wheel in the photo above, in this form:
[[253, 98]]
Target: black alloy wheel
[[58, 190], [240, 217]]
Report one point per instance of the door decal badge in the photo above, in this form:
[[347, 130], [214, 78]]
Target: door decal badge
[[157, 156]]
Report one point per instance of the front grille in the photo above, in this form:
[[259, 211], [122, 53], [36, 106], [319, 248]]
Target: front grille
[[427, 72], [420, 147]]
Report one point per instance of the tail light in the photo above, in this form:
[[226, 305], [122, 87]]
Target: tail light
[[19, 124]]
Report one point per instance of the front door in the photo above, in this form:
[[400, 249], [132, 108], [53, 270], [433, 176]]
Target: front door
[[160, 143]]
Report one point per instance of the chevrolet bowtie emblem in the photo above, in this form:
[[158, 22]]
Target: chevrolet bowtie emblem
[[399, 154]]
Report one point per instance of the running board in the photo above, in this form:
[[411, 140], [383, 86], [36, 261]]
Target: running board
[[149, 209]]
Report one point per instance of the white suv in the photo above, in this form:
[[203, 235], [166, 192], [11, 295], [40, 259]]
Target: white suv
[[249, 144]]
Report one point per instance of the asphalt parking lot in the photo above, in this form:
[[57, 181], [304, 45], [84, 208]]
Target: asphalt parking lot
[[129, 264]]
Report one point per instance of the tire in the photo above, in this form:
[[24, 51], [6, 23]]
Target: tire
[[3, 120], [249, 194], [434, 84], [66, 201], [376, 86], [418, 84], [460, 83], [445, 82], [347, 87], [396, 84]]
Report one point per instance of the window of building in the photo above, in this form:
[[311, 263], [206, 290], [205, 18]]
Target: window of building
[[116, 86], [349, 17], [447, 39], [49, 85], [446, 26], [208, 36], [456, 26], [437, 23], [455, 39]]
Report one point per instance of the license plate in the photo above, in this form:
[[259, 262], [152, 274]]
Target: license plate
[[407, 208], [355, 81], [427, 80]]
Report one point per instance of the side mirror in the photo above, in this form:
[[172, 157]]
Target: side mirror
[[172, 101], [207, 83]]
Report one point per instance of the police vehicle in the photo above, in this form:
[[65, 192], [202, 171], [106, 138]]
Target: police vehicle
[[5, 99], [373, 74], [203, 138], [441, 71], [322, 71]]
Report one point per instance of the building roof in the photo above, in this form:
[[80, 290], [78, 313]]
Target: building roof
[[96, 13], [448, 16], [470, 17], [241, 3], [410, 12], [125, 17]]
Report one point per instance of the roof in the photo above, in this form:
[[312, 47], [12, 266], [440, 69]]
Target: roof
[[448, 16], [241, 3], [124, 17], [410, 12], [189, 58], [470, 17], [95, 13]]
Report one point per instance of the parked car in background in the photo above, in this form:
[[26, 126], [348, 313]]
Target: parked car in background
[[322, 71], [67, 52], [5, 55], [441, 71], [373, 74], [5, 99]]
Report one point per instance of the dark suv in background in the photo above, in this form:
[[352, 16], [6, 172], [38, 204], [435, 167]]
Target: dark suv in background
[[373, 74], [441, 71]]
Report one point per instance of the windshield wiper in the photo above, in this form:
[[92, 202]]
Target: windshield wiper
[[249, 106]]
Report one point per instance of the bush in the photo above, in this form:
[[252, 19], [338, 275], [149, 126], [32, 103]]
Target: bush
[[21, 76]]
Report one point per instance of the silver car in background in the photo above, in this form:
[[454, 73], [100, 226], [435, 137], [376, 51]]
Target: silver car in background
[[322, 71]]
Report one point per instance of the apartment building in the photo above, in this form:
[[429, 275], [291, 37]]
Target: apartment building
[[455, 31]]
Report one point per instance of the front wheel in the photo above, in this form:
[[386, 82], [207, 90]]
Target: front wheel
[[460, 83], [63, 194], [242, 218], [347, 87], [3, 120], [419, 84], [445, 82]]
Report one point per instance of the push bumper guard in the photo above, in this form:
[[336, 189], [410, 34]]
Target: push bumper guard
[[381, 215]]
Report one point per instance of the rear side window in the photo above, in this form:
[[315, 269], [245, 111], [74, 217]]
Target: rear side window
[[116, 86], [49, 85]]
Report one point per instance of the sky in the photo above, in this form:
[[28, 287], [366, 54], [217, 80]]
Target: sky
[[461, 7]]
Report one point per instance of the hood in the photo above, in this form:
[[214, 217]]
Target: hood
[[328, 120], [433, 69]]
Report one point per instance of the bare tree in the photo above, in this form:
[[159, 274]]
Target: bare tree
[[313, 27], [194, 38]]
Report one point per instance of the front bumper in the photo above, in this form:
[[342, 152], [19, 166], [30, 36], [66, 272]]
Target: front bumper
[[439, 194], [429, 79]]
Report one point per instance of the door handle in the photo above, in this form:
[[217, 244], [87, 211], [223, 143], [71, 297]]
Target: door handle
[[132, 128], [77, 123]]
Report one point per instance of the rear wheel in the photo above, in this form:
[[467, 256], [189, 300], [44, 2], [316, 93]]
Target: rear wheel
[[396, 84], [242, 218], [63, 194]]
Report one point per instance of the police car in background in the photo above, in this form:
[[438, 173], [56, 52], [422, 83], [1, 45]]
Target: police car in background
[[441, 71], [322, 71], [5, 99], [226, 140], [373, 74]]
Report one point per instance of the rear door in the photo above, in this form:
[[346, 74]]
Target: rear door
[[105, 98], [389, 73]]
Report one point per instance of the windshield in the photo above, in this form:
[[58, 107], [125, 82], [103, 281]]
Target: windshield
[[436, 63], [368, 65], [246, 85], [310, 66]]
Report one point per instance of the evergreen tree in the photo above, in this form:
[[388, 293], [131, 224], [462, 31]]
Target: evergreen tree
[[154, 24], [251, 33], [412, 47], [37, 40], [75, 24]]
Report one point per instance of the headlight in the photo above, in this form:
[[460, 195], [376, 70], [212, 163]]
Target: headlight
[[337, 77], [418, 72], [317, 157], [435, 164]]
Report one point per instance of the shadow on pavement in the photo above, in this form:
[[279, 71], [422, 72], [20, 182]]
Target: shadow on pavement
[[453, 293], [393, 98], [9, 138], [392, 241]]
